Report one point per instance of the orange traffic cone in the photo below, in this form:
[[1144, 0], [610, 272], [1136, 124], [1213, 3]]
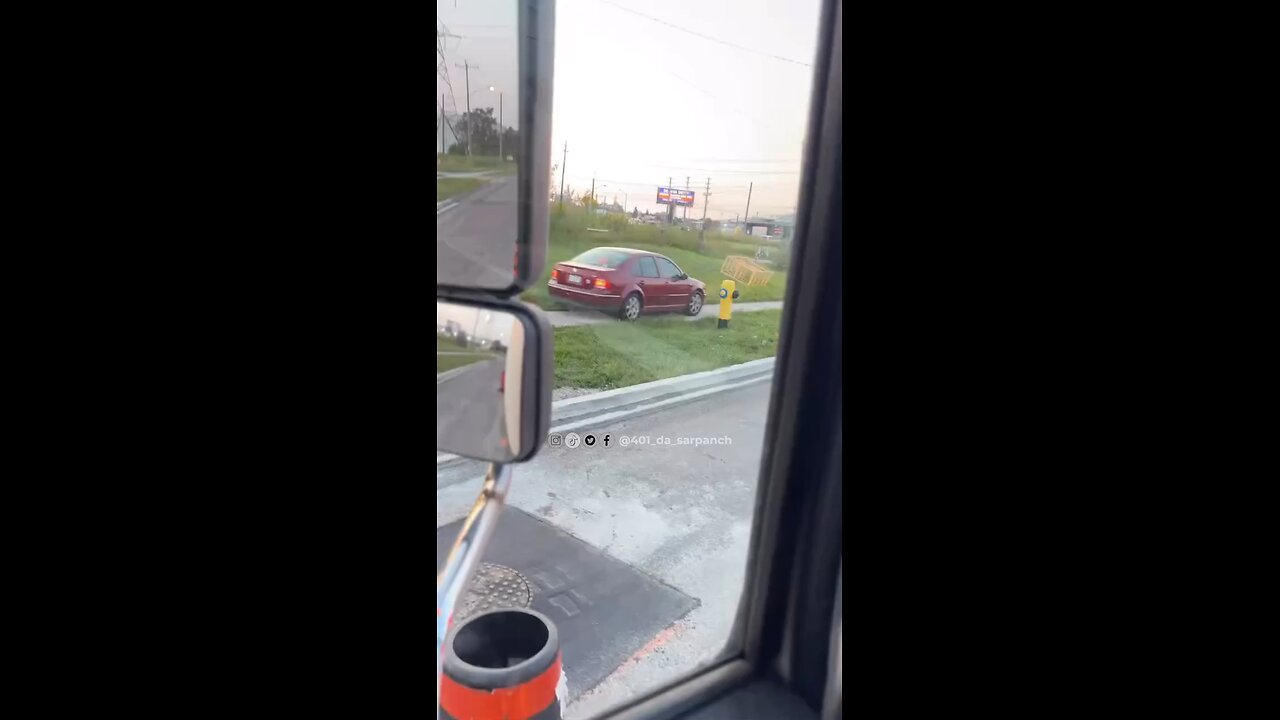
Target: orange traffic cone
[[502, 665]]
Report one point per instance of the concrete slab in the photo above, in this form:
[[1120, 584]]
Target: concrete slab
[[604, 609]]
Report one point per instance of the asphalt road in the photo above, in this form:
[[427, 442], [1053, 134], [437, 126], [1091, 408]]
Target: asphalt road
[[470, 415], [476, 236], [680, 513]]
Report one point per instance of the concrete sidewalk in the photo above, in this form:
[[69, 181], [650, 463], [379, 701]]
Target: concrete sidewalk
[[571, 318]]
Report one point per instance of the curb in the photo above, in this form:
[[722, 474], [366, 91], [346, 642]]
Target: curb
[[611, 401], [447, 374], [634, 400]]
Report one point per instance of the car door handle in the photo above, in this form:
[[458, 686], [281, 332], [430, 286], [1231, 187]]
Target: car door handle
[[641, 282]]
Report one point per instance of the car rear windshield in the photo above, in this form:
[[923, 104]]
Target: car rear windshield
[[602, 258]]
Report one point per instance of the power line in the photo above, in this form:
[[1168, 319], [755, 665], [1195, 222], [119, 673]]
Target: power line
[[444, 63], [762, 160], [625, 161], [733, 108], [706, 37], [709, 170]]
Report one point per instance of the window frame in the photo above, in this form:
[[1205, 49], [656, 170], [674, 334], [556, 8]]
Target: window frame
[[626, 258], [771, 612], [679, 272], [639, 264]]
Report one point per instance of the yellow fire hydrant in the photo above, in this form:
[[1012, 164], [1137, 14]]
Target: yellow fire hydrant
[[728, 293]]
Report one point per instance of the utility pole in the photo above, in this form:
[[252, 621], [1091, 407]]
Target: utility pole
[[501, 157], [593, 188], [671, 209], [686, 207], [467, 66], [702, 231], [747, 213], [562, 164], [443, 148]]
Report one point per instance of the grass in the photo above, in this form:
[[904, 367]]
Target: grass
[[570, 237], [450, 187], [444, 344], [449, 362], [475, 163], [619, 354]]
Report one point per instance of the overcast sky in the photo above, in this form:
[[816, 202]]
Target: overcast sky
[[484, 323], [640, 101]]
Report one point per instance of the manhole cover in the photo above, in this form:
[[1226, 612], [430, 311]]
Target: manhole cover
[[495, 587]]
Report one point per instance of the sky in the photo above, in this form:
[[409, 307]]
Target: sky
[[478, 321], [639, 101], [486, 41]]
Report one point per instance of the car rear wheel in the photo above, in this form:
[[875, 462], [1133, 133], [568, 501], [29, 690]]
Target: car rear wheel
[[630, 307], [695, 303]]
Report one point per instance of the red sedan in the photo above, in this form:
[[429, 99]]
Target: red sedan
[[626, 282]]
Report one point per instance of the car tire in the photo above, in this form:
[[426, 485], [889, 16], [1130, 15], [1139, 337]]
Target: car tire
[[631, 308], [695, 304]]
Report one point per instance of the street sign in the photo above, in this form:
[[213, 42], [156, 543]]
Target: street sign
[[675, 196]]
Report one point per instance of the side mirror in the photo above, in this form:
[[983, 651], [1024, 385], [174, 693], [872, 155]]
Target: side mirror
[[493, 150], [493, 379]]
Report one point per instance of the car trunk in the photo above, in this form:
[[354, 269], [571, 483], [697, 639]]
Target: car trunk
[[583, 276]]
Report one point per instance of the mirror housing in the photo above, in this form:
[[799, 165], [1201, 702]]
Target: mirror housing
[[494, 372], [492, 219]]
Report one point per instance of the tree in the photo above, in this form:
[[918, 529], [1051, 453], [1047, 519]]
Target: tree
[[511, 143], [481, 129]]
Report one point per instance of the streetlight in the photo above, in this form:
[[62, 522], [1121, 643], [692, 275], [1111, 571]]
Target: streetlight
[[615, 195], [501, 156]]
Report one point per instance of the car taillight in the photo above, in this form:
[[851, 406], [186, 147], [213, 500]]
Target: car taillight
[[555, 275], [601, 283]]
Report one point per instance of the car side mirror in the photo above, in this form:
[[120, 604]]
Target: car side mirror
[[492, 216], [493, 379]]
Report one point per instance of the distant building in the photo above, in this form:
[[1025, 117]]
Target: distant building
[[775, 229]]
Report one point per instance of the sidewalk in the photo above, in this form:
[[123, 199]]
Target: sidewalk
[[571, 318]]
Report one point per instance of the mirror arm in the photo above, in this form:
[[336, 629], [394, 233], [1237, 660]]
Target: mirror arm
[[465, 554]]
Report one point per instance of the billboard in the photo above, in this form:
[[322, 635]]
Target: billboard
[[674, 196]]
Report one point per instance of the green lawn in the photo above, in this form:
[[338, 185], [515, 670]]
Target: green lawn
[[449, 362], [450, 187], [462, 357], [448, 345], [569, 237], [618, 354], [475, 163]]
